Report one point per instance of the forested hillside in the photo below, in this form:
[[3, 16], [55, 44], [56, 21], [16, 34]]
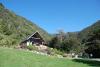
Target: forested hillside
[[84, 33], [85, 41], [90, 38], [14, 28]]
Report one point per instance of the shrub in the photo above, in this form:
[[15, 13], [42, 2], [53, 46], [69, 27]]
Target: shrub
[[57, 51], [31, 47]]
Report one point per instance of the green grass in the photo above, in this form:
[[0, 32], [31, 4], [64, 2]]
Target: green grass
[[21, 58]]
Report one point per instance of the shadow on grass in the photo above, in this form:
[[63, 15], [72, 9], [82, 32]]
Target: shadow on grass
[[92, 63]]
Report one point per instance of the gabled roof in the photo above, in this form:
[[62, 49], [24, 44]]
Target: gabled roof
[[33, 35], [36, 33]]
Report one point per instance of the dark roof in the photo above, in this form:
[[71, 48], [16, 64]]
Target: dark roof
[[26, 39]]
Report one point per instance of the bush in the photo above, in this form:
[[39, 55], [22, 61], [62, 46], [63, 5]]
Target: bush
[[57, 51], [54, 51], [31, 47]]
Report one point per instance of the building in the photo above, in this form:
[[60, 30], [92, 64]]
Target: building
[[34, 39]]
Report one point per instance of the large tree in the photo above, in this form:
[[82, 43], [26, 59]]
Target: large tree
[[66, 42], [93, 44]]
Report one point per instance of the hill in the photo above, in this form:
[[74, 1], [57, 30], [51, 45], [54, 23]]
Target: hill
[[19, 58], [90, 38], [14, 28], [85, 32]]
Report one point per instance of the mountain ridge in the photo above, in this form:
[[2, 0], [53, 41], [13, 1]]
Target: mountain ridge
[[86, 31]]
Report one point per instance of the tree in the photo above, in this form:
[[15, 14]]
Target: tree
[[71, 45], [65, 44], [53, 42], [93, 44]]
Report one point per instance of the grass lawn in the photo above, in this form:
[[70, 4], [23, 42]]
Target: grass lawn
[[21, 58]]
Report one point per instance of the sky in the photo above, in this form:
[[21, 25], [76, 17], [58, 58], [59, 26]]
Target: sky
[[55, 15]]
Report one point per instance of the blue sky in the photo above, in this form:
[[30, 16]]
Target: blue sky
[[54, 15]]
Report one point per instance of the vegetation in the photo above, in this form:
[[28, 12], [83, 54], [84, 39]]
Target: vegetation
[[14, 28], [93, 44], [85, 32], [66, 43], [19, 58], [90, 39], [31, 47], [86, 42]]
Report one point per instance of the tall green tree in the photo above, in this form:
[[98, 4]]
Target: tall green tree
[[93, 44], [65, 43]]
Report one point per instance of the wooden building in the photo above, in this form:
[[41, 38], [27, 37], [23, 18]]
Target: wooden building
[[34, 39]]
